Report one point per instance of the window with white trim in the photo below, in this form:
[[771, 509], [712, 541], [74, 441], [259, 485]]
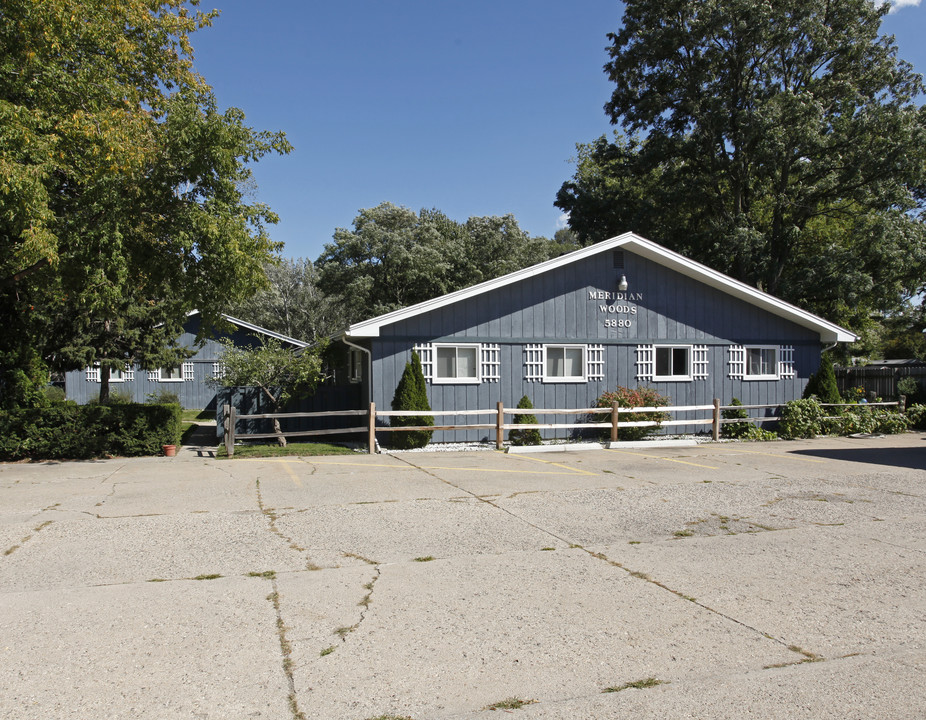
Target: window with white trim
[[115, 374], [456, 363], [355, 365], [564, 363], [459, 363], [761, 362], [673, 362], [174, 373]]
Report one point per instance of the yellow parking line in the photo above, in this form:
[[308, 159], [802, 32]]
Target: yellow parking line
[[576, 471], [657, 457], [493, 470], [292, 474], [795, 457]]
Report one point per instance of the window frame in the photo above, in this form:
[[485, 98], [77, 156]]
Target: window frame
[[161, 377], [688, 375], [768, 376], [583, 378], [436, 379]]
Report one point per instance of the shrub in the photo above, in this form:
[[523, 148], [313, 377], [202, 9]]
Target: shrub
[[801, 419], [634, 397], [163, 397], [890, 423], [54, 395], [909, 387], [859, 419], [525, 437], [87, 431], [916, 416], [822, 384], [735, 430], [411, 394]]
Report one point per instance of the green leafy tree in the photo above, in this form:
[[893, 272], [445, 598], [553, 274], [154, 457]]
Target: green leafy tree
[[124, 185], [787, 150], [292, 303], [280, 373], [411, 394], [525, 437], [394, 257]]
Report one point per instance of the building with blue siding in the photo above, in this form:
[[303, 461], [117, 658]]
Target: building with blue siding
[[189, 380], [623, 312]]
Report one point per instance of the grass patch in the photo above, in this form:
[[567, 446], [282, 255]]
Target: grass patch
[[327, 651], [633, 542], [683, 533], [511, 703], [639, 684], [292, 449], [425, 558], [214, 576], [548, 548], [157, 580], [391, 717], [269, 574]]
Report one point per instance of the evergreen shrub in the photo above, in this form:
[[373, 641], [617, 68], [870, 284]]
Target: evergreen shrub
[[735, 430], [822, 384], [525, 437], [411, 394], [74, 432], [634, 397]]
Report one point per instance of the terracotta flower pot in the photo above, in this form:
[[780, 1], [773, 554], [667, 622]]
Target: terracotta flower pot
[[169, 450]]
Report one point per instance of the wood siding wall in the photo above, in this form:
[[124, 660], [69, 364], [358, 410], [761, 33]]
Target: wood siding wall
[[557, 307]]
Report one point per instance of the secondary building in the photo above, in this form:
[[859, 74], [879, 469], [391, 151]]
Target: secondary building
[[625, 311]]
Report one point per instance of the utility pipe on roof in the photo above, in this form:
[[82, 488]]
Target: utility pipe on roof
[[369, 363]]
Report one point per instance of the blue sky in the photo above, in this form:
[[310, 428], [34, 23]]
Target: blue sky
[[473, 108]]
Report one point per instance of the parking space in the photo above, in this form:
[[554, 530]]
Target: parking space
[[434, 585]]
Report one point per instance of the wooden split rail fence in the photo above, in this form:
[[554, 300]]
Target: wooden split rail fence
[[614, 421]]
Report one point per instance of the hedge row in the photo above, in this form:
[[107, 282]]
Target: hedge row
[[88, 431]]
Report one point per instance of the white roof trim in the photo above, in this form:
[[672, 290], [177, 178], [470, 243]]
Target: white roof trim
[[258, 329], [829, 332]]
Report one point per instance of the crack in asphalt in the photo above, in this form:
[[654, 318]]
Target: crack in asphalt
[[272, 517]]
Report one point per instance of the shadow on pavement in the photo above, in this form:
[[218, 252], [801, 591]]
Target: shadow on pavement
[[906, 457]]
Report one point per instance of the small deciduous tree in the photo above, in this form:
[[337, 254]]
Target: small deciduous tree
[[411, 394], [281, 373]]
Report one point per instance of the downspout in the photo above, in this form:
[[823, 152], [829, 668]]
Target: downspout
[[369, 363]]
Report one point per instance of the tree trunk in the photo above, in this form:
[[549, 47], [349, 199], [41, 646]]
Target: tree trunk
[[276, 423], [104, 384]]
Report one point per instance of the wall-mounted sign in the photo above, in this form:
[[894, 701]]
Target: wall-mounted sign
[[618, 304]]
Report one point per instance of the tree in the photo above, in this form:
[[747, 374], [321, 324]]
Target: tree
[[411, 394], [293, 304], [395, 257], [281, 373], [822, 384], [525, 437], [786, 150], [126, 185]]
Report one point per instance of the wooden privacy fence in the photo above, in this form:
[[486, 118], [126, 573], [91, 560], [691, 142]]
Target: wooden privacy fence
[[613, 421]]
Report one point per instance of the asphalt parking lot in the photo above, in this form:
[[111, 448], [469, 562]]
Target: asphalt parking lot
[[766, 580]]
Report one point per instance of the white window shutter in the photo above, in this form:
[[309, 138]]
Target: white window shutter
[[595, 362], [93, 374], [646, 362], [426, 355], [129, 373], [737, 362], [187, 371], [218, 370], [491, 363], [699, 362], [786, 361], [154, 375], [533, 363]]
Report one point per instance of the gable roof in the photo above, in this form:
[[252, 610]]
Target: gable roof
[[829, 332], [258, 329]]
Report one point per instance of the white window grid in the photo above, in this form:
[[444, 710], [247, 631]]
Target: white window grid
[[736, 362], [595, 362], [699, 362], [646, 362], [491, 363], [533, 363], [93, 374], [188, 374], [786, 362], [426, 355], [218, 370]]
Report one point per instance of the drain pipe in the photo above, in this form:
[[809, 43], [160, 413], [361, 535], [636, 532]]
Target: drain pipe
[[369, 363]]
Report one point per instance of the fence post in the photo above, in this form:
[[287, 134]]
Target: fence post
[[500, 426], [614, 421], [715, 426], [230, 430], [371, 439]]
